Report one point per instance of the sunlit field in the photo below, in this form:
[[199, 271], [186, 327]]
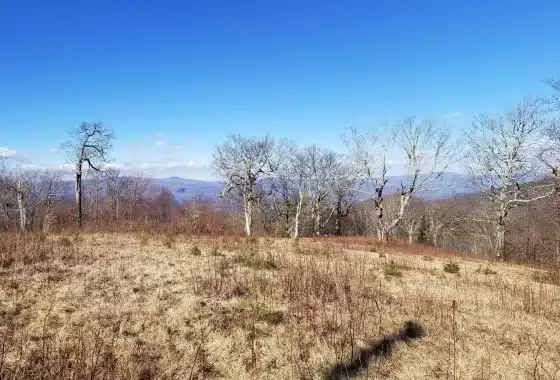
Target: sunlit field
[[138, 306]]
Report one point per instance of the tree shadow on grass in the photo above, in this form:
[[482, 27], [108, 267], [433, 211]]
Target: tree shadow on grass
[[379, 348]]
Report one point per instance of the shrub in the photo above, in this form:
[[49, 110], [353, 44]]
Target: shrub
[[451, 267], [392, 269], [270, 317], [216, 252], [169, 241], [195, 251], [428, 258], [223, 267], [547, 277]]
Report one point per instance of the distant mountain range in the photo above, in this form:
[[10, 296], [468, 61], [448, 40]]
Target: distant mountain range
[[183, 189], [186, 189]]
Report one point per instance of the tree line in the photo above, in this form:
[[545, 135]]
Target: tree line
[[275, 187]]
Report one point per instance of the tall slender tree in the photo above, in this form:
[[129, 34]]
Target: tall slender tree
[[90, 145]]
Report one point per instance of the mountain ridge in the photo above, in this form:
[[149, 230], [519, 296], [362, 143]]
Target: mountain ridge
[[183, 189]]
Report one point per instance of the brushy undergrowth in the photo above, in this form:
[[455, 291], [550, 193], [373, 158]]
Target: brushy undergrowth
[[254, 260], [392, 269], [451, 267], [551, 277]]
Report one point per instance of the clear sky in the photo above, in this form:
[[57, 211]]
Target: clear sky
[[173, 78]]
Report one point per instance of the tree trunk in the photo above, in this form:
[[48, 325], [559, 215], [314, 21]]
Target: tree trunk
[[435, 238], [295, 234], [381, 233], [500, 239], [79, 195], [502, 214], [410, 234], [287, 216], [337, 222], [21, 206], [316, 217], [317, 223], [248, 215]]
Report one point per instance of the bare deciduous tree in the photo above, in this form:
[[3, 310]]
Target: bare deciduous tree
[[300, 184], [427, 153], [319, 166], [116, 185], [370, 154], [17, 186], [89, 144], [412, 220], [549, 153], [345, 183], [288, 190], [442, 219], [242, 162], [502, 160], [94, 193]]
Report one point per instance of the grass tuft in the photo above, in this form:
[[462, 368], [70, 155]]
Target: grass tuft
[[392, 269], [254, 260], [169, 241], [486, 271]]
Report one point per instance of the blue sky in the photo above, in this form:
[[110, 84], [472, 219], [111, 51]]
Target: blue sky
[[174, 78]]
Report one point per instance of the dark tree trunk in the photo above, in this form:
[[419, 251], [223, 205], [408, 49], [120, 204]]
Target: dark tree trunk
[[79, 197]]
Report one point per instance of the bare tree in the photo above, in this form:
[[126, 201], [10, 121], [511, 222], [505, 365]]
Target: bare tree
[[427, 152], [442, 219], [89, 144], [549, 154], [283, 199], [50, 188], [16, 186], [115, 189], [287, 189], [502, 162], [412, 220], [94, 193], [295, 174], [369, 152], [319, 167], [345, 183], [554, 99], [242, 162]]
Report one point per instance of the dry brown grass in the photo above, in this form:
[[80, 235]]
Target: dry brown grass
[[117, 306]]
